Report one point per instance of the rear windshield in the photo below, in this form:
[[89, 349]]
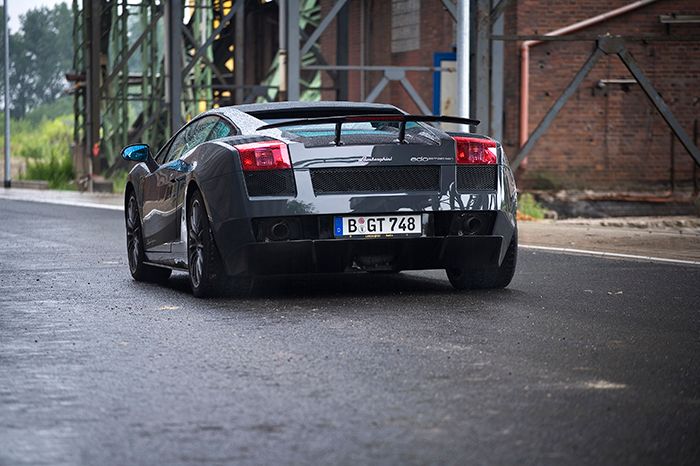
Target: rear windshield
[[357, 133]]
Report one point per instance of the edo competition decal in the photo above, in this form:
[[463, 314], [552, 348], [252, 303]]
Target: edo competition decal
[[430, 159]]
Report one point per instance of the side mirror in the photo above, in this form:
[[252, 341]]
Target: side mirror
[[136, 153]]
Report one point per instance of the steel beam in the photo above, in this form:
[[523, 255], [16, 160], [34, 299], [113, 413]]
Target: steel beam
[[483, 63], [374, 93], [215, 69], [173, 63], [239, 55], [125, 59], [92, 121], [322, 26], [497, 81], [499, 9], [558, 105], [238, 4], [293, 51], [451, 8], [341, 56], [659, 103], [415, 96]]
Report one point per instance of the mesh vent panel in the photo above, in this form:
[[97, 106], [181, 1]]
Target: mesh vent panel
[[473, 177], [270, 183], [375, 179]]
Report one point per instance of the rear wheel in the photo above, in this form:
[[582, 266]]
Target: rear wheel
[[485, 278], [206, 270], [134, 247]]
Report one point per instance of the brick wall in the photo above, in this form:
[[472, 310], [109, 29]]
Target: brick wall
[[437, 33], [609, 139]]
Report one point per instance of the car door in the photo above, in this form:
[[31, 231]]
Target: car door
[[209, 128], [159, 211], [161, 223]]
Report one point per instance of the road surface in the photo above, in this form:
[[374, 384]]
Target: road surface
[[581, 360]]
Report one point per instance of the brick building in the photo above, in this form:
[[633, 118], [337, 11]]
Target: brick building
[[607, 137]]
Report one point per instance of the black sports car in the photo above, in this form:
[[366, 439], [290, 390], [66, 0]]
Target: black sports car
[[300, 187]]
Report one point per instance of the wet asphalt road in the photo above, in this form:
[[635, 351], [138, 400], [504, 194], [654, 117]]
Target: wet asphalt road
[[581, 360]]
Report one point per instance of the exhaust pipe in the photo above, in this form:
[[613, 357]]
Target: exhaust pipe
[[471, 225], [279, 231]]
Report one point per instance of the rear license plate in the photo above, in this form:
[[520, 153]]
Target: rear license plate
[[378, 226]]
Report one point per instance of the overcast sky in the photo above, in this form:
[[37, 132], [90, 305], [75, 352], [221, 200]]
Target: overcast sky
[[17, 7]]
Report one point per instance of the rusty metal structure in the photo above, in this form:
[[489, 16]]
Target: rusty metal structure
[[144, 67]]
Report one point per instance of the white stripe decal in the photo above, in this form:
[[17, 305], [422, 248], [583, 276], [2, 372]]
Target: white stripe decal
[[609, 255]]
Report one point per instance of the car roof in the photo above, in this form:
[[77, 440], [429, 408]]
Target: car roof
[[322, 104]]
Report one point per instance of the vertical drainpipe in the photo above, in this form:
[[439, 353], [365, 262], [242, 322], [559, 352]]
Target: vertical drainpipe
[[463, 65]]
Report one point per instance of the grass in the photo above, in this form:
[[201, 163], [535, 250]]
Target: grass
[[43, 139], [58, 171], [119, 181], [529, 208]]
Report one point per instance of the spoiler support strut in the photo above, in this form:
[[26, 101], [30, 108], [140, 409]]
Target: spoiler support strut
[[401, 118]]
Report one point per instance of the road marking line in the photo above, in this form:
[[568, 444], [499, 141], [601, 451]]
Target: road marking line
[[584, 252], [609, 255], [66, 202]]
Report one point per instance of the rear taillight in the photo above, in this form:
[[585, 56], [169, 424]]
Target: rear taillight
[[475, 151], [264, 155]]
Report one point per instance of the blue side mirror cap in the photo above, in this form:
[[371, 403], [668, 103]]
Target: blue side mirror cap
[[136, 152]]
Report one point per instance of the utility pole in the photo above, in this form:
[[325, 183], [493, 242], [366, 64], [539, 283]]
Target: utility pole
[[8, 175], [463, 66]]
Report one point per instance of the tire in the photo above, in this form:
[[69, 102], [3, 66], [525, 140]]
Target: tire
[[487, 278], [140, 271], [208, 277]]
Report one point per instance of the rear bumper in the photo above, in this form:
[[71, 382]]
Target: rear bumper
[[339, 255]]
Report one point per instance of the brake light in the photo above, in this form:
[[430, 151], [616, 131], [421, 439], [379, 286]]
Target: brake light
[[267, 155], [475, 151]]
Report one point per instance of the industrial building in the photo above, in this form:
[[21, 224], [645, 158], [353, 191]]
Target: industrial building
[[551, 79]]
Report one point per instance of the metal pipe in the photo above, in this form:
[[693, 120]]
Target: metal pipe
[[463, 66], [695, 164], [8, 174], [672, 167], [282, 53], [525, 60]]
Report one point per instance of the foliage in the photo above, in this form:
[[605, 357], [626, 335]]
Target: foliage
[[529, 208], [44, 140], [57, 170], [45, 145], [40, 54], [119, 181]]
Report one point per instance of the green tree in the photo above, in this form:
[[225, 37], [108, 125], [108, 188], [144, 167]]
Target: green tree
[[40, 55]]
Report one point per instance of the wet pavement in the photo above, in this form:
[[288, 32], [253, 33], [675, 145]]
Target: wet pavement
[[580, 360]]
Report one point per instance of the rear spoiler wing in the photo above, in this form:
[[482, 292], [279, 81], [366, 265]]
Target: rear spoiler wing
[[401, 118]]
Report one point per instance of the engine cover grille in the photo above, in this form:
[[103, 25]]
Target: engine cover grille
[[270, 183], [375, 179], [476, 177]]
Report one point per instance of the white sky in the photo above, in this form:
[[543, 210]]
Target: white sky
[[17, 7]]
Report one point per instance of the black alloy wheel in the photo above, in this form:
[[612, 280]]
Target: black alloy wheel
[[207, 275], [140, 271], [486, 278]]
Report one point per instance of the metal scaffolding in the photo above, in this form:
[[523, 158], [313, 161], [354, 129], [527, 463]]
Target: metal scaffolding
[[143, 67]]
